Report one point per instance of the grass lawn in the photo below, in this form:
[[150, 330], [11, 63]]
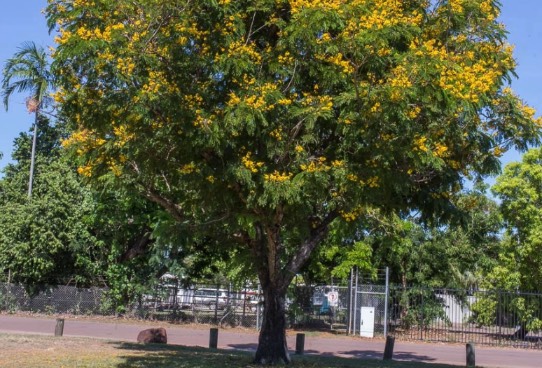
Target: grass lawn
[[32, 351]]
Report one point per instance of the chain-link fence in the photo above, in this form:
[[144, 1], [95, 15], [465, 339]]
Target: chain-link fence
[[58, 299], [204, 303], [318, 306]]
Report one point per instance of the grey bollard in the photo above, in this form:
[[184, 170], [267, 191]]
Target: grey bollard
[[59, 328], [300, 344], [388, 349], [471, 358], [213, 338]]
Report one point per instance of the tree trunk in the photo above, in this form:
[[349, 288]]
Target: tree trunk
[[275, 277], [272, 346], [33, 155]]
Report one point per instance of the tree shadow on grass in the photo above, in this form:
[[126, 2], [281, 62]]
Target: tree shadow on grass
[[172, 356]]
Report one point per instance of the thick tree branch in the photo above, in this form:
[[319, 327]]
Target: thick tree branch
[[316, 236], [139, 247], [173, 209]]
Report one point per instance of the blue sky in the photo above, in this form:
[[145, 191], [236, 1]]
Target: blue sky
[[22, 20]]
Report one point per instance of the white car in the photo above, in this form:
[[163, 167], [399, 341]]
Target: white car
[[210, 298]]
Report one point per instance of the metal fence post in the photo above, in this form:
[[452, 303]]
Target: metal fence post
[[386, 302], [350, 300], [355, 310], [258, 308]]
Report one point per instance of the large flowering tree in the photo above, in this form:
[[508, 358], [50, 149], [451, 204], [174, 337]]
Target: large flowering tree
[[272, 119]]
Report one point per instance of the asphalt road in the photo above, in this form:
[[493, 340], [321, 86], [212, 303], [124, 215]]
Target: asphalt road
[[345, 346]]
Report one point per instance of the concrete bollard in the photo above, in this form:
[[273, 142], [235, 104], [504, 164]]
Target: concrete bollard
[[59, 328], [213, 338], [471, 358], [300, 344], [388, 349]]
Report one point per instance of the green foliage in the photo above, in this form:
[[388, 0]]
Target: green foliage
[[420, 307], [484, 310], [45, 240], [519, 189]]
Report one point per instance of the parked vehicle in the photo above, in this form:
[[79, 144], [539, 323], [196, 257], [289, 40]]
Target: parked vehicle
[[210, 298]]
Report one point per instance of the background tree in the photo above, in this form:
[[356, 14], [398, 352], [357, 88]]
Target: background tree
[[270, 120], [454, 254], [28, 72], [520, 193], [45, 241], [519, 266]]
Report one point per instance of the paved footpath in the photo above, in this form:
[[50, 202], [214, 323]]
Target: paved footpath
[[345, 346]]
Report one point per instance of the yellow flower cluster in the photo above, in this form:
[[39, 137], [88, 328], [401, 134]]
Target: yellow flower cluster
[[193, 101], [156, 82], [285, 101], [414, 112], [257, 102], [351, 215], [114, 167], [188, 168], [59, 96], [466, 74], [383, 14], [376, 107], [257, 96], [253, 166], [278, 177], [203, 121], [341, 62], [498, 151], [400, 78], [490, 11], [64, 36], [321, 103], [85, 171], [124, 65], [276, 133], [318, 165], [456, 6], [123, 136], [469, 82], [82, 3], [84, 139], [286, 58], [191, 30], [440, 150], [325, 5], [243, 49], [372, 182], [419, 144]]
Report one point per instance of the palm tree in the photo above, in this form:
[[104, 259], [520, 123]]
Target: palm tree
[[28, 71]]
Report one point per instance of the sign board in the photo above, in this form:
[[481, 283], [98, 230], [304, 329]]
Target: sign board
[[333, 298]]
